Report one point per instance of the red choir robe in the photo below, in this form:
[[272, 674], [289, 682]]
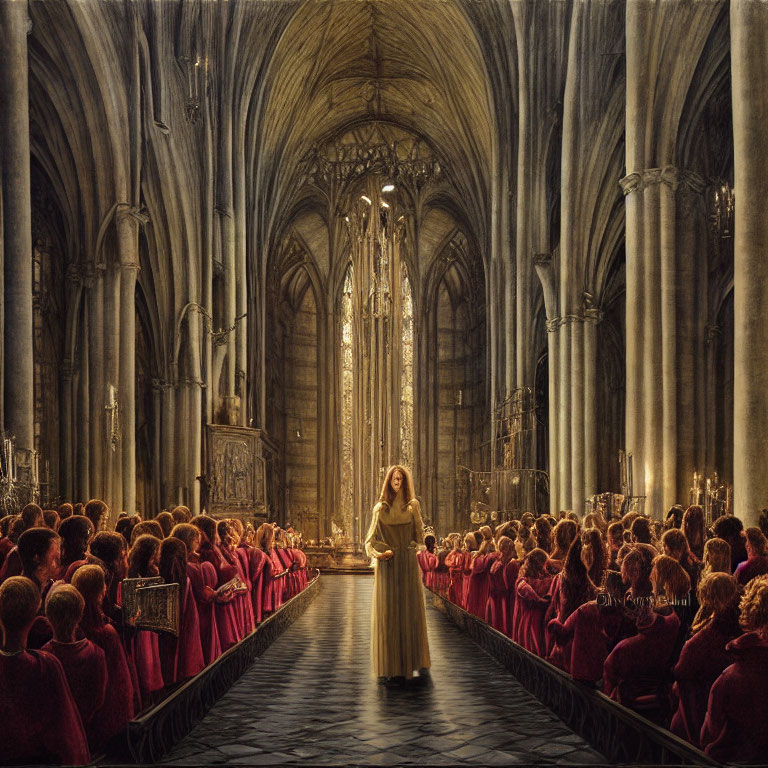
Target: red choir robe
[[39, 721], [182, 657], [242, 600], [639, 665], [142, 651], [702, 660], [442, 574], [511, 571], [288, 580], [203, 575], [226, 616], [272, 584], [117, 709], [257, 560], [454, 560], [467, 564], [531, 603], [586, 638], [301, 573], [753, 566], [498, 596], [479, 584], [85, 668], [427, 563], [734, 728]]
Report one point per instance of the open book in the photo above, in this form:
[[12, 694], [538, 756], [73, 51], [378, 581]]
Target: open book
[[236, 586], [150, 603]]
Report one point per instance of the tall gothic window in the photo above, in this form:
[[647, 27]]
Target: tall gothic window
[[377, 356]]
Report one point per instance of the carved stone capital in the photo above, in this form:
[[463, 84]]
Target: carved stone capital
[[74, 273], [593, 315], [129, 213], [553, 324], [631, 183], [542, 259]]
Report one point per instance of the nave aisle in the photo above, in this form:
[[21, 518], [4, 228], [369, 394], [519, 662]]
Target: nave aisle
[[311, 700]]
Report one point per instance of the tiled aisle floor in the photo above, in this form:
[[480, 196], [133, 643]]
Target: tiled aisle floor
[[311, 700]]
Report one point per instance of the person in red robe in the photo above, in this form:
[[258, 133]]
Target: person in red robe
[[442, 574], [704, 657], [181, 657], [563, 535], [84, 663], [39, 721], [6, 542], [472, 543], [39, 552], [590, 632], [734, 727], [756, 563], [257, 561], [531, 602], [228, 539], [479, 578], [117, 710], [31, 517], [272, 581], [202, 580], [569, 589], [75, 532], [428, 561], [226, 617], [142, 647], [498, 590], [636, 672], [454, 561]]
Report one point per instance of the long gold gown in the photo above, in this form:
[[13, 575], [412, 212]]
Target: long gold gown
[[399, 645]]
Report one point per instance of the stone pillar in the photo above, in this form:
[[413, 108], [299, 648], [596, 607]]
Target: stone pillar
[[651, 361], [94, 281], [591, 319], [128, 248], [633, 192], [564, 415], [669, 359], [554, 420], [749, 82], [688, 214], [577, 416], [18, 349], [66, 397]]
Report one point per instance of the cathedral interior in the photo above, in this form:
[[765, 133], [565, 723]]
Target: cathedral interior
[[254, 252]]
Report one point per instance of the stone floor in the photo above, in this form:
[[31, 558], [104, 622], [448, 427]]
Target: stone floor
[[311, 700]]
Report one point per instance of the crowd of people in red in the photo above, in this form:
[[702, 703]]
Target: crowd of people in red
[[73, 670], [669, 619]]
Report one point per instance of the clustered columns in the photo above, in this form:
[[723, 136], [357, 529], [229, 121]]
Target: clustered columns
[[749, 81], [651, 411], [572, 358], [17, 406]]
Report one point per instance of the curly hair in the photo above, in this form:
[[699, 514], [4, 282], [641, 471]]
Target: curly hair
[[753, 609], [563, 534], [533, 565], [717, 557], [718, 595]]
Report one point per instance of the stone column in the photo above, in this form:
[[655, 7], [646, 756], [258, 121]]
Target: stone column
[[633, 191], [18, 349], [564, 415], [128, 248], [67, 468], [714, 333], [577, 416], [94, 282], [651, 468], [553, 357], [749, 82], [688, 210], [591, 319], [669, 358]]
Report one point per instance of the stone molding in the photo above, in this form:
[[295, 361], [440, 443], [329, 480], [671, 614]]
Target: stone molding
[[638, 181], [591, 315]]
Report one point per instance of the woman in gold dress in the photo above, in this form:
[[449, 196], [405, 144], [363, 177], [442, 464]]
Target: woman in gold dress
[[399, 646]]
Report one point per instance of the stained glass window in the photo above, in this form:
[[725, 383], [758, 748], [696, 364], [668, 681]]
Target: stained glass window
[[406, 376], [347, 405]]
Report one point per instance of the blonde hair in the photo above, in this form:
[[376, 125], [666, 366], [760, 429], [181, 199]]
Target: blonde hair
[[387, 492], [718, 593], [717, 557], [64, 609], [753, 609], [668, 575]]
